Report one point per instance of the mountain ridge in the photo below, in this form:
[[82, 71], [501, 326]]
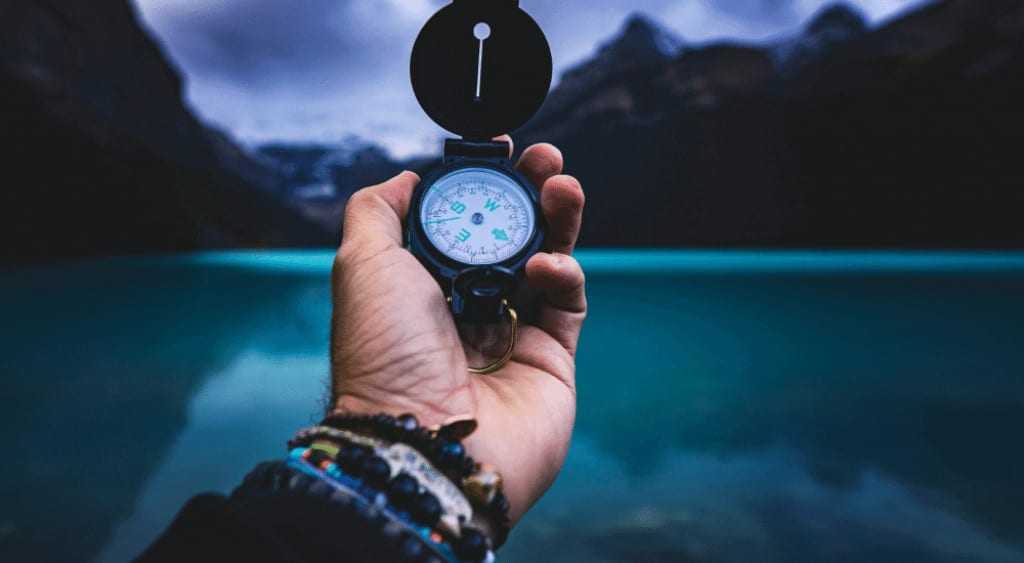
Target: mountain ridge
[[841, 135], [732, 144], [89, 91], [897, 136]]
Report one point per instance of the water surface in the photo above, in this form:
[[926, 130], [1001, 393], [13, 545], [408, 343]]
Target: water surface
[[733, 406]]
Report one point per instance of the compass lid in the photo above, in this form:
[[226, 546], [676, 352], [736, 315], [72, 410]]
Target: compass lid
[[481, 68]]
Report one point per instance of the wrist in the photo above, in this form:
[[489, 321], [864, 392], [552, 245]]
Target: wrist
[[443, 461], [528, 470], [348, 404], [521, 487]]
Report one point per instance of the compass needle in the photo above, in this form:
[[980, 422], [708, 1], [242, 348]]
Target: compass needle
[[481, 31]]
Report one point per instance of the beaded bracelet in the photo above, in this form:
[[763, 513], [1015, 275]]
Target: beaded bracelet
[[481, 483], [401, 496], [399, 458]]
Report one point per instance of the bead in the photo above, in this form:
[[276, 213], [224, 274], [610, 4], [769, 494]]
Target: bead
[[483, 486], [471, 545], [376, 472], [426, 509], [317, 457], [329, 448], [500, 504], [469, 466], [403, 489], [419, 438], [350, 459], [408, 423], [449, 524], [450, 454]]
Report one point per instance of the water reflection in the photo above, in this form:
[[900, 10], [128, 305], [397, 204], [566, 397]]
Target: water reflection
[[98, 368], [759, 505], [241, 417], [724, 416], [916, 377]]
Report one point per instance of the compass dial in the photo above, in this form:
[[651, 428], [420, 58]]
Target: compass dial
[[478, 216]]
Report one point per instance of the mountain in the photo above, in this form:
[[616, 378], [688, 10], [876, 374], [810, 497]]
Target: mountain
[[318, 179], [101, 155], [844, 136], [329, 171], [830, 28], [642, 45], [641, 42]]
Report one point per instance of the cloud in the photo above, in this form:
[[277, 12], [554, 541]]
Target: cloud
[[318, 70]]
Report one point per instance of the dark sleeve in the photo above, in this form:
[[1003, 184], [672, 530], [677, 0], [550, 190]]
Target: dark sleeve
[[206, 530], [280, 514]]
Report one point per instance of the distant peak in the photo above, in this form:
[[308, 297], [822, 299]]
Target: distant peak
[[639, 22], [642, 35], [832, 26], [838, 15], [640, 43]]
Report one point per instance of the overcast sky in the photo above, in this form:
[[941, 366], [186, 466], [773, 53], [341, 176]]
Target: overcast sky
[[319, 70]]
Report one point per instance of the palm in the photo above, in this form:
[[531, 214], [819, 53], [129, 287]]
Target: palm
[[396, 349]]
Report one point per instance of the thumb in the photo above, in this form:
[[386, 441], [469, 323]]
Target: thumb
[[374, 215]]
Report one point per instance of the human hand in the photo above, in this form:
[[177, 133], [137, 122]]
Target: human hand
[[395, 347]]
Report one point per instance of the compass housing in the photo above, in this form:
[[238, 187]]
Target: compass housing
[[466, 282], [479, 86]]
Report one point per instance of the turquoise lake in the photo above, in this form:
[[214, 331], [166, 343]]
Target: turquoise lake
[[732, 406]]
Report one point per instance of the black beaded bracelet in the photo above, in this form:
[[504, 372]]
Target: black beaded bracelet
[[403, 492], [443, 447], [356, 527]]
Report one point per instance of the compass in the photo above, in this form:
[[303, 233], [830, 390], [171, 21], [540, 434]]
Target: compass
[[478, 216], [480, 68]]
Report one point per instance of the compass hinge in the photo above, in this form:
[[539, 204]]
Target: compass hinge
[[475, 149], [478, 294]]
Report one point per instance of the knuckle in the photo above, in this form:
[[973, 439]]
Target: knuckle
[[581, 281], [362, 205], [581, 196], [353, 207], [579, 277], [573, 191], [568, 193], [348, 253], [359, 201], [575, 271], [549, 157]]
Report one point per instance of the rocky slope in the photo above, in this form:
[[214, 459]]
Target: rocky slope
[[902, 136], [102, 156]]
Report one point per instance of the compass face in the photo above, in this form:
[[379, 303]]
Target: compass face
[[478, 216]]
